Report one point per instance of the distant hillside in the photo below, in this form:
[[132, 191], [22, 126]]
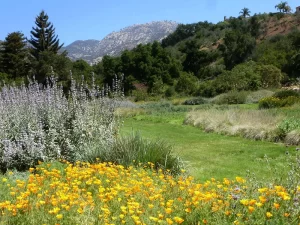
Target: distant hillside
[[82, 49], [206, 59], [116, 42], [209, 37], [274, 25]]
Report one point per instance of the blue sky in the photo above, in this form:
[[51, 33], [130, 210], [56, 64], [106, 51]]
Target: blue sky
[[94, 19]]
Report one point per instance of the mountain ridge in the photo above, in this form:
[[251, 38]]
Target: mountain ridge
[[113, 44]]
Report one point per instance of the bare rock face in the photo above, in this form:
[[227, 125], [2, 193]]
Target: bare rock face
[[116, 42]]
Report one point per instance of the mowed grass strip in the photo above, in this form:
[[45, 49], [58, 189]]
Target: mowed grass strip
[[210, 155]]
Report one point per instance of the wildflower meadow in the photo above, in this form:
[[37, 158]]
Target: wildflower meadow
[[105, 193], [64, 162]]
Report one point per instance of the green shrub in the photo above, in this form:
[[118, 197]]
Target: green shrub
[[186, 84], [274, 102], [286, 93], [271, 76], [195, 101], [288, 130], [233, 97], [170, 92], [133, 150], [140, 95], [291, 100], [242, 77], [269, 102], [289, 124], [207, 89]]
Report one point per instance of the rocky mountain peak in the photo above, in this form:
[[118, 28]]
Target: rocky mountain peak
[[116, 42]]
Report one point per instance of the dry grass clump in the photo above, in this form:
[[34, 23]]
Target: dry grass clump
[[130, 112], [293, 137], [254, 124], [254, 97]]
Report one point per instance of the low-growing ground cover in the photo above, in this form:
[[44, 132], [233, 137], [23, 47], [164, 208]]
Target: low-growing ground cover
[[104, 193]]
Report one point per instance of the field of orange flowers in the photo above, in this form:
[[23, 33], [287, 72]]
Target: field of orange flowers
[[105, 193]]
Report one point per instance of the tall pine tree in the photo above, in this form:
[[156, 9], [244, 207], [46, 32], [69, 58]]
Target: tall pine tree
[[14, 60], [43, 36]]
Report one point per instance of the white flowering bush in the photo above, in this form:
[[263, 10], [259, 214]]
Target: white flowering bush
[[42, 124]]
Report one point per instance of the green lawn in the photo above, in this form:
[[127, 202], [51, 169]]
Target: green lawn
[[210, 155]]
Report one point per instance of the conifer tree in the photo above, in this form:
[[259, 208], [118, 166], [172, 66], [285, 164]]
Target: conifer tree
[[43, 36], [14, 60]]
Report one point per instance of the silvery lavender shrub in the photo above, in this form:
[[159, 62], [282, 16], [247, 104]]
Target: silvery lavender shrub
[[42, 124]]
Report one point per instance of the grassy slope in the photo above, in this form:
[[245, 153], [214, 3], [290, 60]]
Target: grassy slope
[[211, 155]]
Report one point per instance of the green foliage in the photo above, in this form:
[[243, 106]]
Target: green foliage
[[196, 61], [286, 93], [255, 25], [186, 84], [245, 12], [271, 76], [283, 7], [232, 97], [149, 64], [269, 102], [6, 79], [157, 88], [289, 101], [281, 52], [14, 56], [140, 95], [269, 53], [273, 102], [184, 31], [43, 36], [111, 67], [134, 150], [49, 62], [243, 77], [289, 124], [237, 47], [208, 89], [81, 67], [170, 91]]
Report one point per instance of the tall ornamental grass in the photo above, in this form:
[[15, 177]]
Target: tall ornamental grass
[[42, 124], [253, 124]]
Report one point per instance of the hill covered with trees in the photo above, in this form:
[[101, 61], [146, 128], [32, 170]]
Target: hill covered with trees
[[244, 53]]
